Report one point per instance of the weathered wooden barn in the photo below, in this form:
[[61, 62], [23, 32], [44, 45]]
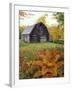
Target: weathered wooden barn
[[35, 33]]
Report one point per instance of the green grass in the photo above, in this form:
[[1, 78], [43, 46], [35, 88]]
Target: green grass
[[39, 46], [28, 51]]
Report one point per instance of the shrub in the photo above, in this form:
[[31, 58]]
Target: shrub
[[48, 63]]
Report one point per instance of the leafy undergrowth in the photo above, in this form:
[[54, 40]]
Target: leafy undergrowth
[[45, 63]]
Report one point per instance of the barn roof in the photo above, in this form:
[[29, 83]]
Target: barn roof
[[28, 29]]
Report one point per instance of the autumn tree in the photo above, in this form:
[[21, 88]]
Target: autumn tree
[[56, 33], [42, 19]]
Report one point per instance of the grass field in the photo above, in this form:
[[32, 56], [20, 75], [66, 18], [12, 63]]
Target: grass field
[[38, 46], [38, 60]]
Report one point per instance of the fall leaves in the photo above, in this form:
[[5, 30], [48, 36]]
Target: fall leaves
[[47, 63]]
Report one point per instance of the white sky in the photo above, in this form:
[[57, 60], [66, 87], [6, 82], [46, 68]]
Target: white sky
[[32, 17]]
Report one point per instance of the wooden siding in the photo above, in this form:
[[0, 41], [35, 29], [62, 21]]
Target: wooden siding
[[39, 33]]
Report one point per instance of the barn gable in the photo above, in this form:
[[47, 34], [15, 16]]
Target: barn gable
[[27, 30], [25, 34], [35, 33]]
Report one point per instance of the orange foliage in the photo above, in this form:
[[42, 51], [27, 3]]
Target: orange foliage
[[49, 63]]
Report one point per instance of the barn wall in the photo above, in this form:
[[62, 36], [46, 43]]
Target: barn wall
[[43, 39], [26, 38], [39, 33]]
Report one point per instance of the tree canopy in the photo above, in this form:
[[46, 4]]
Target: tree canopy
[[21, 29], [60, 19], [42, 18]]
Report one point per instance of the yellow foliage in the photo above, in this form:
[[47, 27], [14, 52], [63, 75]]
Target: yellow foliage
[[56, 33]]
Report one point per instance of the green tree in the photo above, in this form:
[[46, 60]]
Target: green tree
[[21, 29], [60, 19]]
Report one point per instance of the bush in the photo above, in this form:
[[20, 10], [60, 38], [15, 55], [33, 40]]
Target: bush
[[57, 41], [48, 63]]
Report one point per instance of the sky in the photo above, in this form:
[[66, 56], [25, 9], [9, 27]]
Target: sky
[[30, 18]]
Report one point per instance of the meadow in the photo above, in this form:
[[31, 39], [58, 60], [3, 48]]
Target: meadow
[[41, 60]]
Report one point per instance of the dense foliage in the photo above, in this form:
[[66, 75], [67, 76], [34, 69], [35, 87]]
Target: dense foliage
[[60, 19], [41, 63], [21, 29]]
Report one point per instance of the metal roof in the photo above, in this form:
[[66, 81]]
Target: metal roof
[[28, 30]]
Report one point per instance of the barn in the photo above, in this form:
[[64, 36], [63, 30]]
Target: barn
[[35, 33]]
